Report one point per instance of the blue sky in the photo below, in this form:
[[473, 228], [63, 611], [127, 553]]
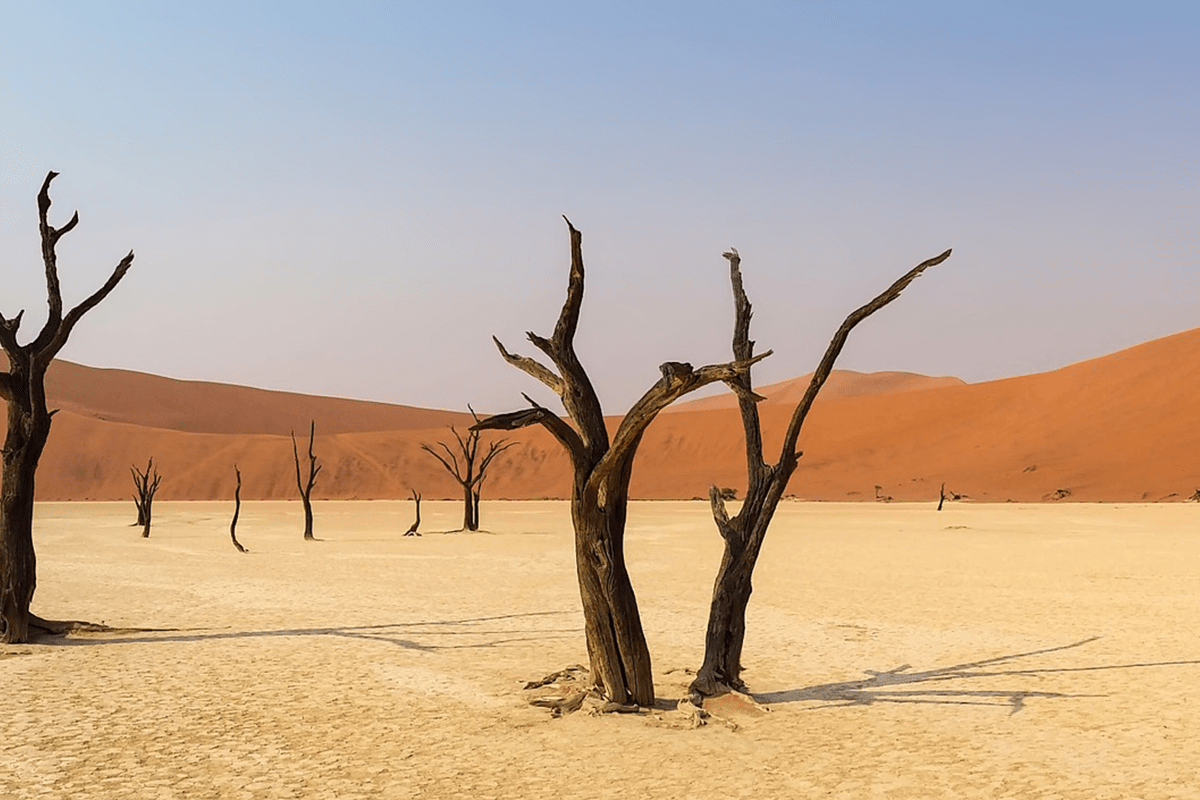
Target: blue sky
[[351, 198]]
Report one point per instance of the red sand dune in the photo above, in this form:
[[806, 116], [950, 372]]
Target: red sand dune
[[841, 383], [1117, 428], [119, 395]]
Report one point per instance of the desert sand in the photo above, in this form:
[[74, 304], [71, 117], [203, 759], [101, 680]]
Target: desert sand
[[1032, 651], [1120, 428]]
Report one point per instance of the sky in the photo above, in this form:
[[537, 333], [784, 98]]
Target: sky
[[350, 199]]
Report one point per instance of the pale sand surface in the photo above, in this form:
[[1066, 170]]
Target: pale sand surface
[[986, 651]]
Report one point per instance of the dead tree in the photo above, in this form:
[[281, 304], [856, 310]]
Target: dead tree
[[471, 471], [306, 487], [237, 509], [412, 529], [744, 533], [147, 486], [942, 498], [23, 388], [602, 467]]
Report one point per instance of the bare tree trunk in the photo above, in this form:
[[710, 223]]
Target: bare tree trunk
[[306, 487], [475, 504], [469, 522], [237, 509], [412, 530], [18, 563], [23, 389], [942, 498], [620, 658], [744, 533]]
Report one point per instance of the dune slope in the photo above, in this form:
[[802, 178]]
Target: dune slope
[[1116, 428]]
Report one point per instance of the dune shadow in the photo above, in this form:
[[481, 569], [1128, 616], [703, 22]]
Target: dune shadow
[[424, 636], [878, 688]]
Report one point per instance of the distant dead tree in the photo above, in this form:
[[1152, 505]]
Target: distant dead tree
[[1195, 498], [616, 644], [147, 486], [948, 495], [471, 471], [23, 388], [880, 497], [306, 487], [412, 529], [744, 533], [237, 509]]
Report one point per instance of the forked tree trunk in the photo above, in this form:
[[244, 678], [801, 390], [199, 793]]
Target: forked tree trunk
[[471, 471], [744, 533], [147, 486], [304, 486], [616, 644], [23, 389]]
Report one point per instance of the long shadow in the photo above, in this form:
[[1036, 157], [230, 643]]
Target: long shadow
[[388, 633], [876, 688]]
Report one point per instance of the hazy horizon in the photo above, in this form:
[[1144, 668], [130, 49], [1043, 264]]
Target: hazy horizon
[[351, 201]]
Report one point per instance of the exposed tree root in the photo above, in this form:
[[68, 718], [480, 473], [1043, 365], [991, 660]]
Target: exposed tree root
[[574, 672], [569, 690]]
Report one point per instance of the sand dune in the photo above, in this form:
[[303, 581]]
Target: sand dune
[[841, 383], [1116, 428], [151, 401]]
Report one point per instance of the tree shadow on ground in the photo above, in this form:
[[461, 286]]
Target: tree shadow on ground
[[427, 636], [877, 688]]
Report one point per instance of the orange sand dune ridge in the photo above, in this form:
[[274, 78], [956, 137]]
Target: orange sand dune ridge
[[1116, 428]]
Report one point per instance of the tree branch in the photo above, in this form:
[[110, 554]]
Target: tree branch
[[467, 451], [536, 415], [452, 470], [719, 512], [296, 456], [678, 379], [494, 449], [50, 238], [6, 386], [533, 368], [63, 330], [568, 318], [8, 333], [743, 349], [787, 456]]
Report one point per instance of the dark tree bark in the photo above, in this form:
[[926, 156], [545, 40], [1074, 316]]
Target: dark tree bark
[[412, 529], [306, 487], [147, 487], [471, 471], [620, 659], [237, 509], [942, 498], [23, 388], [744, 533]]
